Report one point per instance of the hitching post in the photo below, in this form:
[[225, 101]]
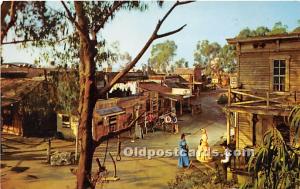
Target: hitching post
[[49, 151]]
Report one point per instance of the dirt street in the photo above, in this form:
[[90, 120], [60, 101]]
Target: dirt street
[[23, 163]]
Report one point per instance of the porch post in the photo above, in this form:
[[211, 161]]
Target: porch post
[[180, 107], [228, 127], [229, 96]]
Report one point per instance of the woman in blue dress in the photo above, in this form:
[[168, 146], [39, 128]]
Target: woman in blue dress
[[183, 160]]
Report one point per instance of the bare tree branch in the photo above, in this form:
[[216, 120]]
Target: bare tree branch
[[115, 7], [153, 37], [171, 32]]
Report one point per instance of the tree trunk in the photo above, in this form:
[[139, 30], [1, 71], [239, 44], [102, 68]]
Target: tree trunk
[[87, 100]]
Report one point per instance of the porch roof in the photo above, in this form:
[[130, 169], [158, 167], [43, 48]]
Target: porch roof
[[114, 110], [260, 110]]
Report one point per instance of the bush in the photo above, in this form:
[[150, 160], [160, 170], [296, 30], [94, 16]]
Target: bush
[[223, 99], [198, 179]]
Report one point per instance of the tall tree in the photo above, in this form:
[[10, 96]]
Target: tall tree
[[181, 63], [162, 55], [246, 32], [278, 28], [297, 29], [227, 58], [259, 31], [88, 18], [205, 53]]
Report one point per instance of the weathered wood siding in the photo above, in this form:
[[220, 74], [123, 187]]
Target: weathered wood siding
[[244, 131], [255, 64]]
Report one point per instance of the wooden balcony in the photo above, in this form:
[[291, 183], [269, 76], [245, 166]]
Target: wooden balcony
[[262, 101]]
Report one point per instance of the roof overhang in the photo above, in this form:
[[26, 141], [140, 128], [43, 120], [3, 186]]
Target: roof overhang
[[263, 38], [259, 110], [111, 111]]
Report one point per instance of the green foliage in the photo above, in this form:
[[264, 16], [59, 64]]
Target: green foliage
[[214, 58], [199, 179], [36, 21], [223, 99], [227, 58], [181, 63], [260, 31], [297, 29], [45, 25], [66, 85], [205, 52], [294, 120], [275, 164], [278, 28], [162, 55]]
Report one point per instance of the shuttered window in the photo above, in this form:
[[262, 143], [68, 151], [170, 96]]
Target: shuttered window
[[279, 75]]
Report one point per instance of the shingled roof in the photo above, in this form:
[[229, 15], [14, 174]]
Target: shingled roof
[[13, 90]]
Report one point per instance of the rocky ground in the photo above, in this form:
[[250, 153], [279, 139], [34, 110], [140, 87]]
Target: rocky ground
[[23, 162]]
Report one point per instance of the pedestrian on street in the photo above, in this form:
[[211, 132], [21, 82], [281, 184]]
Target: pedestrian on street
[[184, 160]]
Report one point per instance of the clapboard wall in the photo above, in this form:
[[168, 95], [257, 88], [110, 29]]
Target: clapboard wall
[[255, 64]]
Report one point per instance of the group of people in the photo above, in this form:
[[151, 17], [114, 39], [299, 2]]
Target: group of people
[[168, 119], [203, 152]]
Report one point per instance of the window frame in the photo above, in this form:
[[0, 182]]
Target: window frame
[[64, 123], [287, 72], [279, 75]]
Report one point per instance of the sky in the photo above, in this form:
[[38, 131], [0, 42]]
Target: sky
[[214, 21]]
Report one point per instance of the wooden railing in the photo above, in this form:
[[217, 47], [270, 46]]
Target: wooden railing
[[262, 98]]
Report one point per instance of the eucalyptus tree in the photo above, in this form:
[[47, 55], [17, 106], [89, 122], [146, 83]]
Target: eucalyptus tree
[[297, 29], [162, 55], [181, 63], [76, 26], [205, 52]]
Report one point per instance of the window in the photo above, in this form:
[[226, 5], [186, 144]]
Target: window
[[279, 75], [66, 121]]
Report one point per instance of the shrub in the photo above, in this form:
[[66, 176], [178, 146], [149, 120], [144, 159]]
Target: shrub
[[223, 99]]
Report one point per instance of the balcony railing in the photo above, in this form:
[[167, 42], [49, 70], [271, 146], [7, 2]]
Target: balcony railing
[[262, 98]]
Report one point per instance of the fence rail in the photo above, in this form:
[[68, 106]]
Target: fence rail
[[262, 98]]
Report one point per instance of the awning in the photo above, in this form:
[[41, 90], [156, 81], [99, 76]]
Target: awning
[[114, 110]]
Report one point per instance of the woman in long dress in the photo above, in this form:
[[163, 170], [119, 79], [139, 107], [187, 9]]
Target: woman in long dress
[[183, 160]]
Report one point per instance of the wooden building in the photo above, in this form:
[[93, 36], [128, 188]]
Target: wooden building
[[113, 115], [266, 88], [174, 96], [127, 86], [193, 77], [117, 114], [26, 108]]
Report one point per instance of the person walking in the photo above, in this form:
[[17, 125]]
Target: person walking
[[184, 160]]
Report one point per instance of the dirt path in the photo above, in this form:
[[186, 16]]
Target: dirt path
[[134, 172]]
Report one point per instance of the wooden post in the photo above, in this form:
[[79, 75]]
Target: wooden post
[[295, 97], [49, 150], [229, 96], [268, 99], [228, 127], [145, 120], [180, 107], [76, 145], [192, 107]]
